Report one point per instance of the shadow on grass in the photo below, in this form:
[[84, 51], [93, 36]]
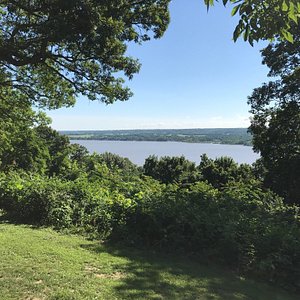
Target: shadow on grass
[[6, 218], [149, 275], [161, 276]]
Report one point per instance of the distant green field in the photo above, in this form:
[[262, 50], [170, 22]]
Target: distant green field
[[82, 136], [40, 264], [233, 136]]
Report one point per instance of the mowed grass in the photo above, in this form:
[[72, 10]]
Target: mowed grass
[[43, 264]]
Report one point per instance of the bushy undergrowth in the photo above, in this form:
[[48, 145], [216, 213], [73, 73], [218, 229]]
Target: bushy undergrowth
[[240, 224], [87, 203]]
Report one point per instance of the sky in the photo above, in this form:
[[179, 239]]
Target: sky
[[195, 76]]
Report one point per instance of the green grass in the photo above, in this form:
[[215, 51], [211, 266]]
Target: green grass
[[43, 264]]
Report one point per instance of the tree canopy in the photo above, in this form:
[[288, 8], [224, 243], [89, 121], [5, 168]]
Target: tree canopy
[[276, 118], [263, 19], [54, 50]]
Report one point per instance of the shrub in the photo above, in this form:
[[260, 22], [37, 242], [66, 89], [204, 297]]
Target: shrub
[[248, 228], [36, 199], [242, 226]]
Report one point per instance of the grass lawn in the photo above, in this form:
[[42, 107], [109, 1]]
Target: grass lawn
[[43, 264]]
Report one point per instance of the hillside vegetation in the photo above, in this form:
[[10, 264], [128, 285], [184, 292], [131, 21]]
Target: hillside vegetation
[[243, 218], [232, 136], [218, 209]]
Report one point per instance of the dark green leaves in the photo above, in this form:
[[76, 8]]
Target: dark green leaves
[[276, 117], [55, 50]]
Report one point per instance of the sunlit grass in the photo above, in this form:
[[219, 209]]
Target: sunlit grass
[[43, 264]]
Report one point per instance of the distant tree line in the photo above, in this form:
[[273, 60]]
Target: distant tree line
[[233, 136]]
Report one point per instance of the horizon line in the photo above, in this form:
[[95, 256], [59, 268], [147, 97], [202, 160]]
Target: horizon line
[[152, 129]]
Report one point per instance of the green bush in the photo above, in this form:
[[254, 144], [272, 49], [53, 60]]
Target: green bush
[[241, 225], [82, 203], [36, 199]]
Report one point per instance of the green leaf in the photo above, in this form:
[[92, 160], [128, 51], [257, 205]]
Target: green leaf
[[250, 40], [235, 10], [292, 13], [236, 33], [246, 33], [287, 35], [209, 3], [284, 6]]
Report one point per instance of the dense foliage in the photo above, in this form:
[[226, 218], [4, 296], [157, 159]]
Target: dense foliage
[[223, 170], [52, 51], [241, 225], [276, 118], [20, 144], [218, 209], [171, 169]]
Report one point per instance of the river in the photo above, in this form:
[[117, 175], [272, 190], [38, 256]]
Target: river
[[137, 152]]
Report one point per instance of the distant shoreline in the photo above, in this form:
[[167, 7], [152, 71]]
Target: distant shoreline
[[223, 136], [162, 141]]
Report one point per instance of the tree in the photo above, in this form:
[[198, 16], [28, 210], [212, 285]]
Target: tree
[[51, 51], [171, 169], [223, 170], [263, 19], [58, 147], [276, 118], [20, 146], [117, 163], [78, 153]]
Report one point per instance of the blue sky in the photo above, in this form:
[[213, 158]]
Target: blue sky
[[194, 77]]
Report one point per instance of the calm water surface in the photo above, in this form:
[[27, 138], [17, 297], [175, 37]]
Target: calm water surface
[[137, 152]]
